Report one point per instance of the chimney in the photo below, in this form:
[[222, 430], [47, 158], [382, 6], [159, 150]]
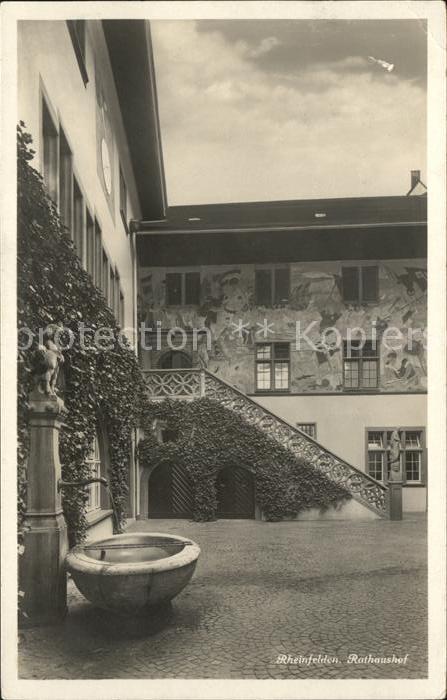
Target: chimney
[[415, 177]]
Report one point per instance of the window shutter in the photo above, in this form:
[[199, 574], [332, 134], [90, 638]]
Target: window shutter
[[370, 283], [173, 288], [282, 285], [192, 288], [282, 351], [263, 287], [350, 276]]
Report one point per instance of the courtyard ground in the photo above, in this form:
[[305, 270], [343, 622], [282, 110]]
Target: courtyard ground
[[260, 590]]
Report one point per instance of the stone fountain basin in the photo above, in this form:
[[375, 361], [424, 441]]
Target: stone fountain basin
[[133, 571]]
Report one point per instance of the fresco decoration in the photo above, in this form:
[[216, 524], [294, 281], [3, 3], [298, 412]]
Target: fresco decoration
[[316, 304]]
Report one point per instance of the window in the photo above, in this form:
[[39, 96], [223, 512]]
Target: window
[[98, 255], [123, 199], [360, 284], [94, 490], [105, 275], [90, 236], [376, 455], [272, 286], [173, 288], [182, 288], [65, 191], [77, 32], [192, 287], [360, 364], [308, 428], [78, 220], [413, 456], [121, 310], [50, 142], [111, 298], [412, 449], [117, 296], [65, 182], [272, 366]]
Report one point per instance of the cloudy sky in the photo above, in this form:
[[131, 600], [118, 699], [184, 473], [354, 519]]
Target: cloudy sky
[[289, 109]]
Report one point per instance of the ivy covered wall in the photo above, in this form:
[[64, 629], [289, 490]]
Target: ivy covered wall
[[53, 288], [209, 437]]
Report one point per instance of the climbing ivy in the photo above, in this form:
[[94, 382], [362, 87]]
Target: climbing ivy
[[210, 437], [98, 383]]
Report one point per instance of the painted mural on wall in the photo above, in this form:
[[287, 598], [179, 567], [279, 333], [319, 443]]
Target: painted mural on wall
[[228, 309]]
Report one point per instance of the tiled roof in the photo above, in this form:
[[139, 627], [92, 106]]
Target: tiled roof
[[294, 214]]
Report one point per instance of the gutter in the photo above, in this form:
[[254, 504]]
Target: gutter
[[142, 228]]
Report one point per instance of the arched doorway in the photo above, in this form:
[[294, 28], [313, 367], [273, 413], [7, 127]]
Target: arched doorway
[[170, 493], [235, 493], [175, 359]]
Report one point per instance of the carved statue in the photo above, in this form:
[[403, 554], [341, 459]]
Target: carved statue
[[394, 456], [47, 361]]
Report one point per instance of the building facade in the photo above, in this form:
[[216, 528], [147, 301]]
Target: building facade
[[315, 310], [86, 96], [271, 298]]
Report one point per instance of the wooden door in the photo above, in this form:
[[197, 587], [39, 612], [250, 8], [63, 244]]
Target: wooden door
[[170, 493], [235, 493]]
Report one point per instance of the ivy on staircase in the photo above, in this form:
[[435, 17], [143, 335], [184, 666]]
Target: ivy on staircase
[[210, 437]]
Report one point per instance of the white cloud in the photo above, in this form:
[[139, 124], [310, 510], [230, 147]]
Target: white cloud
[[232, 132], [264, 46]]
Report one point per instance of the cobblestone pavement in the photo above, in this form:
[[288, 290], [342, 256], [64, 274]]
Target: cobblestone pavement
[[260, 590]]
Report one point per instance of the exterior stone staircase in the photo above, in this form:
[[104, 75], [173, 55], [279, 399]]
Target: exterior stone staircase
[[189, 384]]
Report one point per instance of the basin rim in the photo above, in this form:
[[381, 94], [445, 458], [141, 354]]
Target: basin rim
[[77, 560]]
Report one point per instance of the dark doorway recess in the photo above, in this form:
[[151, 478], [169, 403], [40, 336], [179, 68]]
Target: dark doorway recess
[[170, 493], [235, 493]]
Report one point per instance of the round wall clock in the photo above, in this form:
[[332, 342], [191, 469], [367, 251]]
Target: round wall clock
[[106, 169]]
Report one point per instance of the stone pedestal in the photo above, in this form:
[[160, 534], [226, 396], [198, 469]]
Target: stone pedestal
[[42, 566], [395, 500]]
